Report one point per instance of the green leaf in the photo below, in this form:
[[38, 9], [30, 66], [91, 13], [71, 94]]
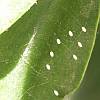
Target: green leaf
[[90, 88], [44, 55], [12, 10]]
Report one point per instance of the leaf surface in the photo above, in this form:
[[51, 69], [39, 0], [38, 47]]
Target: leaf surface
[[90, 88], [46, 52]]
